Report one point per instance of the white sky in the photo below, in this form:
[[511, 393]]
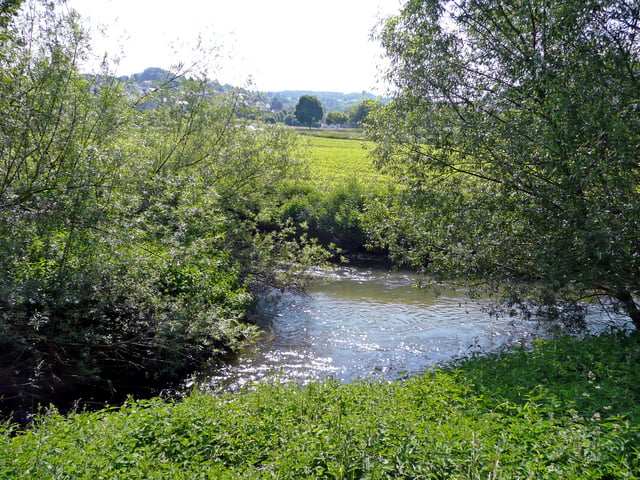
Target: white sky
[[321, 45]]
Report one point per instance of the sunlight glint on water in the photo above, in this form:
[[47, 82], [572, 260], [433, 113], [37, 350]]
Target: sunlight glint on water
[[364, 322]]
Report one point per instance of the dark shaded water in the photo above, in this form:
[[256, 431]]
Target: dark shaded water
[[367, 322]]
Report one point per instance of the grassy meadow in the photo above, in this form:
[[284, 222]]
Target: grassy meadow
[[566, 410], [339, 157]]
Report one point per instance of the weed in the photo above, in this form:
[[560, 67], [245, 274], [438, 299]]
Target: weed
[[499, 416]]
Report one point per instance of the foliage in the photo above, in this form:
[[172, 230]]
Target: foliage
[[332, 217], [308, 110], [593, 376], [358, 113], [328, 203], [515, 127], [8, 8], [336, 118], [494, 417], [128, 236]]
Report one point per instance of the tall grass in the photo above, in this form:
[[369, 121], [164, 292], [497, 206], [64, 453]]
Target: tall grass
[[566, 410]]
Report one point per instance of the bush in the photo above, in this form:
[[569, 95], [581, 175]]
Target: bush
[[333, 217], [128, 236]]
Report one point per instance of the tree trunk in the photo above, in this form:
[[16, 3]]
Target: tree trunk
[[630, 306]]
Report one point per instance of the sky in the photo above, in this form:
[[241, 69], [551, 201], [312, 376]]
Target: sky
[[267, 45]]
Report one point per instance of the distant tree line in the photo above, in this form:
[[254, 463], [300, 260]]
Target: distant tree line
[[331, 101], [309, 111], [339, 109]]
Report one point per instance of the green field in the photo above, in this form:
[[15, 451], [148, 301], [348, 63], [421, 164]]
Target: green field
[[342, 133], [340, 160]]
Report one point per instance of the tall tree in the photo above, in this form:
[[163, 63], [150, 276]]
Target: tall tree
[[308, 110], [516, 126]]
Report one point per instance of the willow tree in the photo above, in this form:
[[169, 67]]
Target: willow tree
[[128, 236], [516, 128]]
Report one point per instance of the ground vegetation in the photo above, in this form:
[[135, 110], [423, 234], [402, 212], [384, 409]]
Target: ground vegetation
[[566, 409]]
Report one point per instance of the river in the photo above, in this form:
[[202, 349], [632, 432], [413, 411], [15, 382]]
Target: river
[[367, 322]]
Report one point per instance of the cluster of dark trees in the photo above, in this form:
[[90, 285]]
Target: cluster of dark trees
[[309, 111], [355, 116], [331, 101]]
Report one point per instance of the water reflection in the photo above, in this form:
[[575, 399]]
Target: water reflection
[[365, 322]]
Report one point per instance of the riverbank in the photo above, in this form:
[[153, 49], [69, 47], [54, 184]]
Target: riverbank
[[567, 409]]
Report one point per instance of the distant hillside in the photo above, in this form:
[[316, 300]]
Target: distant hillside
[[154, 77], [282, 100], [331, 101]]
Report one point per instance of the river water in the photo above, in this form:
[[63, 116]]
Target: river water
[[367, 322]]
